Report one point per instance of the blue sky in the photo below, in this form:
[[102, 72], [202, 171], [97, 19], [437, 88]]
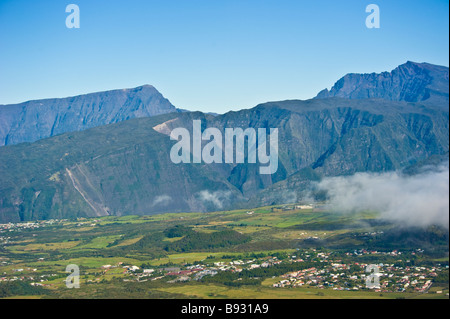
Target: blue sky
[[210, 55]]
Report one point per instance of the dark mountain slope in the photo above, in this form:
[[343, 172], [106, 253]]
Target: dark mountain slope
[[116, 169], [125, 168], [410, 82], [34, 120]]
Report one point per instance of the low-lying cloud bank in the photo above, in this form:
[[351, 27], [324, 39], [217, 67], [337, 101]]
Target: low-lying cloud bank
[[419, 200]]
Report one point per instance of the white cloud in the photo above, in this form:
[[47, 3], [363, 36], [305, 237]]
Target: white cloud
[[217, 198], [418, 200], [162, 200]]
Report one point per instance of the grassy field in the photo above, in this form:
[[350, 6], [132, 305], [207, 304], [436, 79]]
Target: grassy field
[[221, 292], [42, 247], [193, 257]]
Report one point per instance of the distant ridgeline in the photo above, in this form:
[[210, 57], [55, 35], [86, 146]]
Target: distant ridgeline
[[35, 120], [109, 153]]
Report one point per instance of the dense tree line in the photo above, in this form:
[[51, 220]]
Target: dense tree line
[[178, 231], [204, 241], [442, 278], [20, 288]]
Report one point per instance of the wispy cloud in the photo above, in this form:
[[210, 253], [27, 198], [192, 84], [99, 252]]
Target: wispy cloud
[[162, 200], [418, 200], [289, 197], [217, 198]]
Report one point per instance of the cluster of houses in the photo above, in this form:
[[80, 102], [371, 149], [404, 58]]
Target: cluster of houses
[[299, 278], [330, 272], [38, 280], [10, 227], [191, 272], [4, 240], [355, 276], [18, 226], [295, 207]]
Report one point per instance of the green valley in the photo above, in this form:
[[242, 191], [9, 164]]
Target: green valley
[[269, 252]]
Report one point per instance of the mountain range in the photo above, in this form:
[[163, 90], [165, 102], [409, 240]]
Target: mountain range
[[109, 153], [34, 120], [410, 82]]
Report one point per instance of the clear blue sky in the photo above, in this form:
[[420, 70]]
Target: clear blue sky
[[210, 55]]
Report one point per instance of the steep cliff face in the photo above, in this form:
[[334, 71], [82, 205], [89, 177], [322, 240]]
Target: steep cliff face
[[34, 120], [125, 168], [340, 137], [410, 82], [117, 169]]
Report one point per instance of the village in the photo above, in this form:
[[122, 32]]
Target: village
[[329, 271], [354, 276], [11, 227], [36, 257]]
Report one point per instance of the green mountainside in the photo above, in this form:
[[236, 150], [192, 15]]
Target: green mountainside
[[125, 168]]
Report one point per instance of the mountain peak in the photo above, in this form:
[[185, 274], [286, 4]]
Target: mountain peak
[[145, 86], [34, 120], [410, 82]]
